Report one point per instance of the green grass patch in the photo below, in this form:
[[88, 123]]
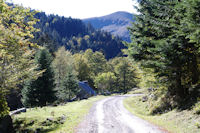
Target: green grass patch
[[185, 121], [62, 119]]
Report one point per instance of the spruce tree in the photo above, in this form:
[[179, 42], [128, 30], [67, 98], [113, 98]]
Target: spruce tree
[[165, 37], [40, 92], [156, 45]]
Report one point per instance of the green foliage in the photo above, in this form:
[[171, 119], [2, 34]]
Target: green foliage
[[82, 67], [69, 88], [65, 75], [165, 40], [96, 61], [4, 109], [197, 125], [197, 108], [40, 92], [56, 31], [105, 81], [97, 41], [63, 63], [126, 74], [160, 106], [16, 64]]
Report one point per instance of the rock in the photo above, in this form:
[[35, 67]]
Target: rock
[[151, 89], [152, 96], [50, 119], [144, 98], [6, 125], [63, 119]]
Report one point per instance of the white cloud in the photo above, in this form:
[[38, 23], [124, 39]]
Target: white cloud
[[79, 8]]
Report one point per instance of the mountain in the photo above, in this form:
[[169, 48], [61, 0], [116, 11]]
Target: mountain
[[75, 35], [115, 23]]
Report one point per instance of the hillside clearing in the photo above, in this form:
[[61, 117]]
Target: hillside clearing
[[63, 118]]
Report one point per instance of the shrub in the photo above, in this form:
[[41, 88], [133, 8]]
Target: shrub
[[4, 109], [197, 108], [197, 125], [160, 106]]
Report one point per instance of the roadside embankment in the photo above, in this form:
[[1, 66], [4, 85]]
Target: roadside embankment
[[174, 121]]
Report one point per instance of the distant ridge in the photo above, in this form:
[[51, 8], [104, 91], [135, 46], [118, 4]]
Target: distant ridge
[[115, 23]]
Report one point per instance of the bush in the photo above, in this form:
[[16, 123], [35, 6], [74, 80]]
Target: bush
[[197, 125], [160, 106], [197, 108], [4, 109]]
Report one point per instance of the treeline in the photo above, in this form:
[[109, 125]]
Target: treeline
[[165, 39], [34, 64], [59, 81], [56, 31]]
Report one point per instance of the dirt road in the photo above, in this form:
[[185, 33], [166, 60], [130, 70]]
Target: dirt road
[[110, 116]]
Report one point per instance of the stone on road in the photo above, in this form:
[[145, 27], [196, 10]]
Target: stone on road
[[110, 116]]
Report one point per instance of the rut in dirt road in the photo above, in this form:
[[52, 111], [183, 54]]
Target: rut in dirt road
[[110, 116]]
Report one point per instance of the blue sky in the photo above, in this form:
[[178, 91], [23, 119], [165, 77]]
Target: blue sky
[[79, 8]]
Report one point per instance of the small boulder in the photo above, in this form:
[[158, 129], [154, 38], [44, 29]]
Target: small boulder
[[144, 98]]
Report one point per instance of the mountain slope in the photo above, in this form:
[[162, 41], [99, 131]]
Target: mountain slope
[[75, 35], [115, 23]]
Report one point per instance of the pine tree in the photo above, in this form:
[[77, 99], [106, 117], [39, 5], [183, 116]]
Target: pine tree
[[40, 92]]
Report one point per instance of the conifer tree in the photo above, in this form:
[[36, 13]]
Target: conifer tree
[[155, 43], [40, 92], [166, 39]]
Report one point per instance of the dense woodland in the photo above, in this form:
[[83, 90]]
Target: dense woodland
[[76, 36], [165, 40]]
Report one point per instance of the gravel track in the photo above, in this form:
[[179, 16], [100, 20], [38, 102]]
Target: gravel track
[[110, 116]]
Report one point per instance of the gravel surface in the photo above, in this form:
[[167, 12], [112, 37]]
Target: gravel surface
[[110, 116]]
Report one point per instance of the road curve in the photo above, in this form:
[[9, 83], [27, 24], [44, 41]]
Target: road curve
[[110, 116]]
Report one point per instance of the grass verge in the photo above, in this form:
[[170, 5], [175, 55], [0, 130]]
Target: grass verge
[[174, 121], [60, 119]]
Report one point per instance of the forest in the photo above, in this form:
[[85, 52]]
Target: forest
[[43, 57]]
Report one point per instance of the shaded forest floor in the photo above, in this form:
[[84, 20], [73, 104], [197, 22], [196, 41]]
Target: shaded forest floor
[[184, 121]]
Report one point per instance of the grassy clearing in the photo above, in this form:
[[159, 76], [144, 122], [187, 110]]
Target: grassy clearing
[[60, 119], [174, 121]]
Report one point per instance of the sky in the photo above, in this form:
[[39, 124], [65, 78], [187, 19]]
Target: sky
[[79, 8]]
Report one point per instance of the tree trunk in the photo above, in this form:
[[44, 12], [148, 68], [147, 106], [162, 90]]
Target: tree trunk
[[178, 87], [194, 70]]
